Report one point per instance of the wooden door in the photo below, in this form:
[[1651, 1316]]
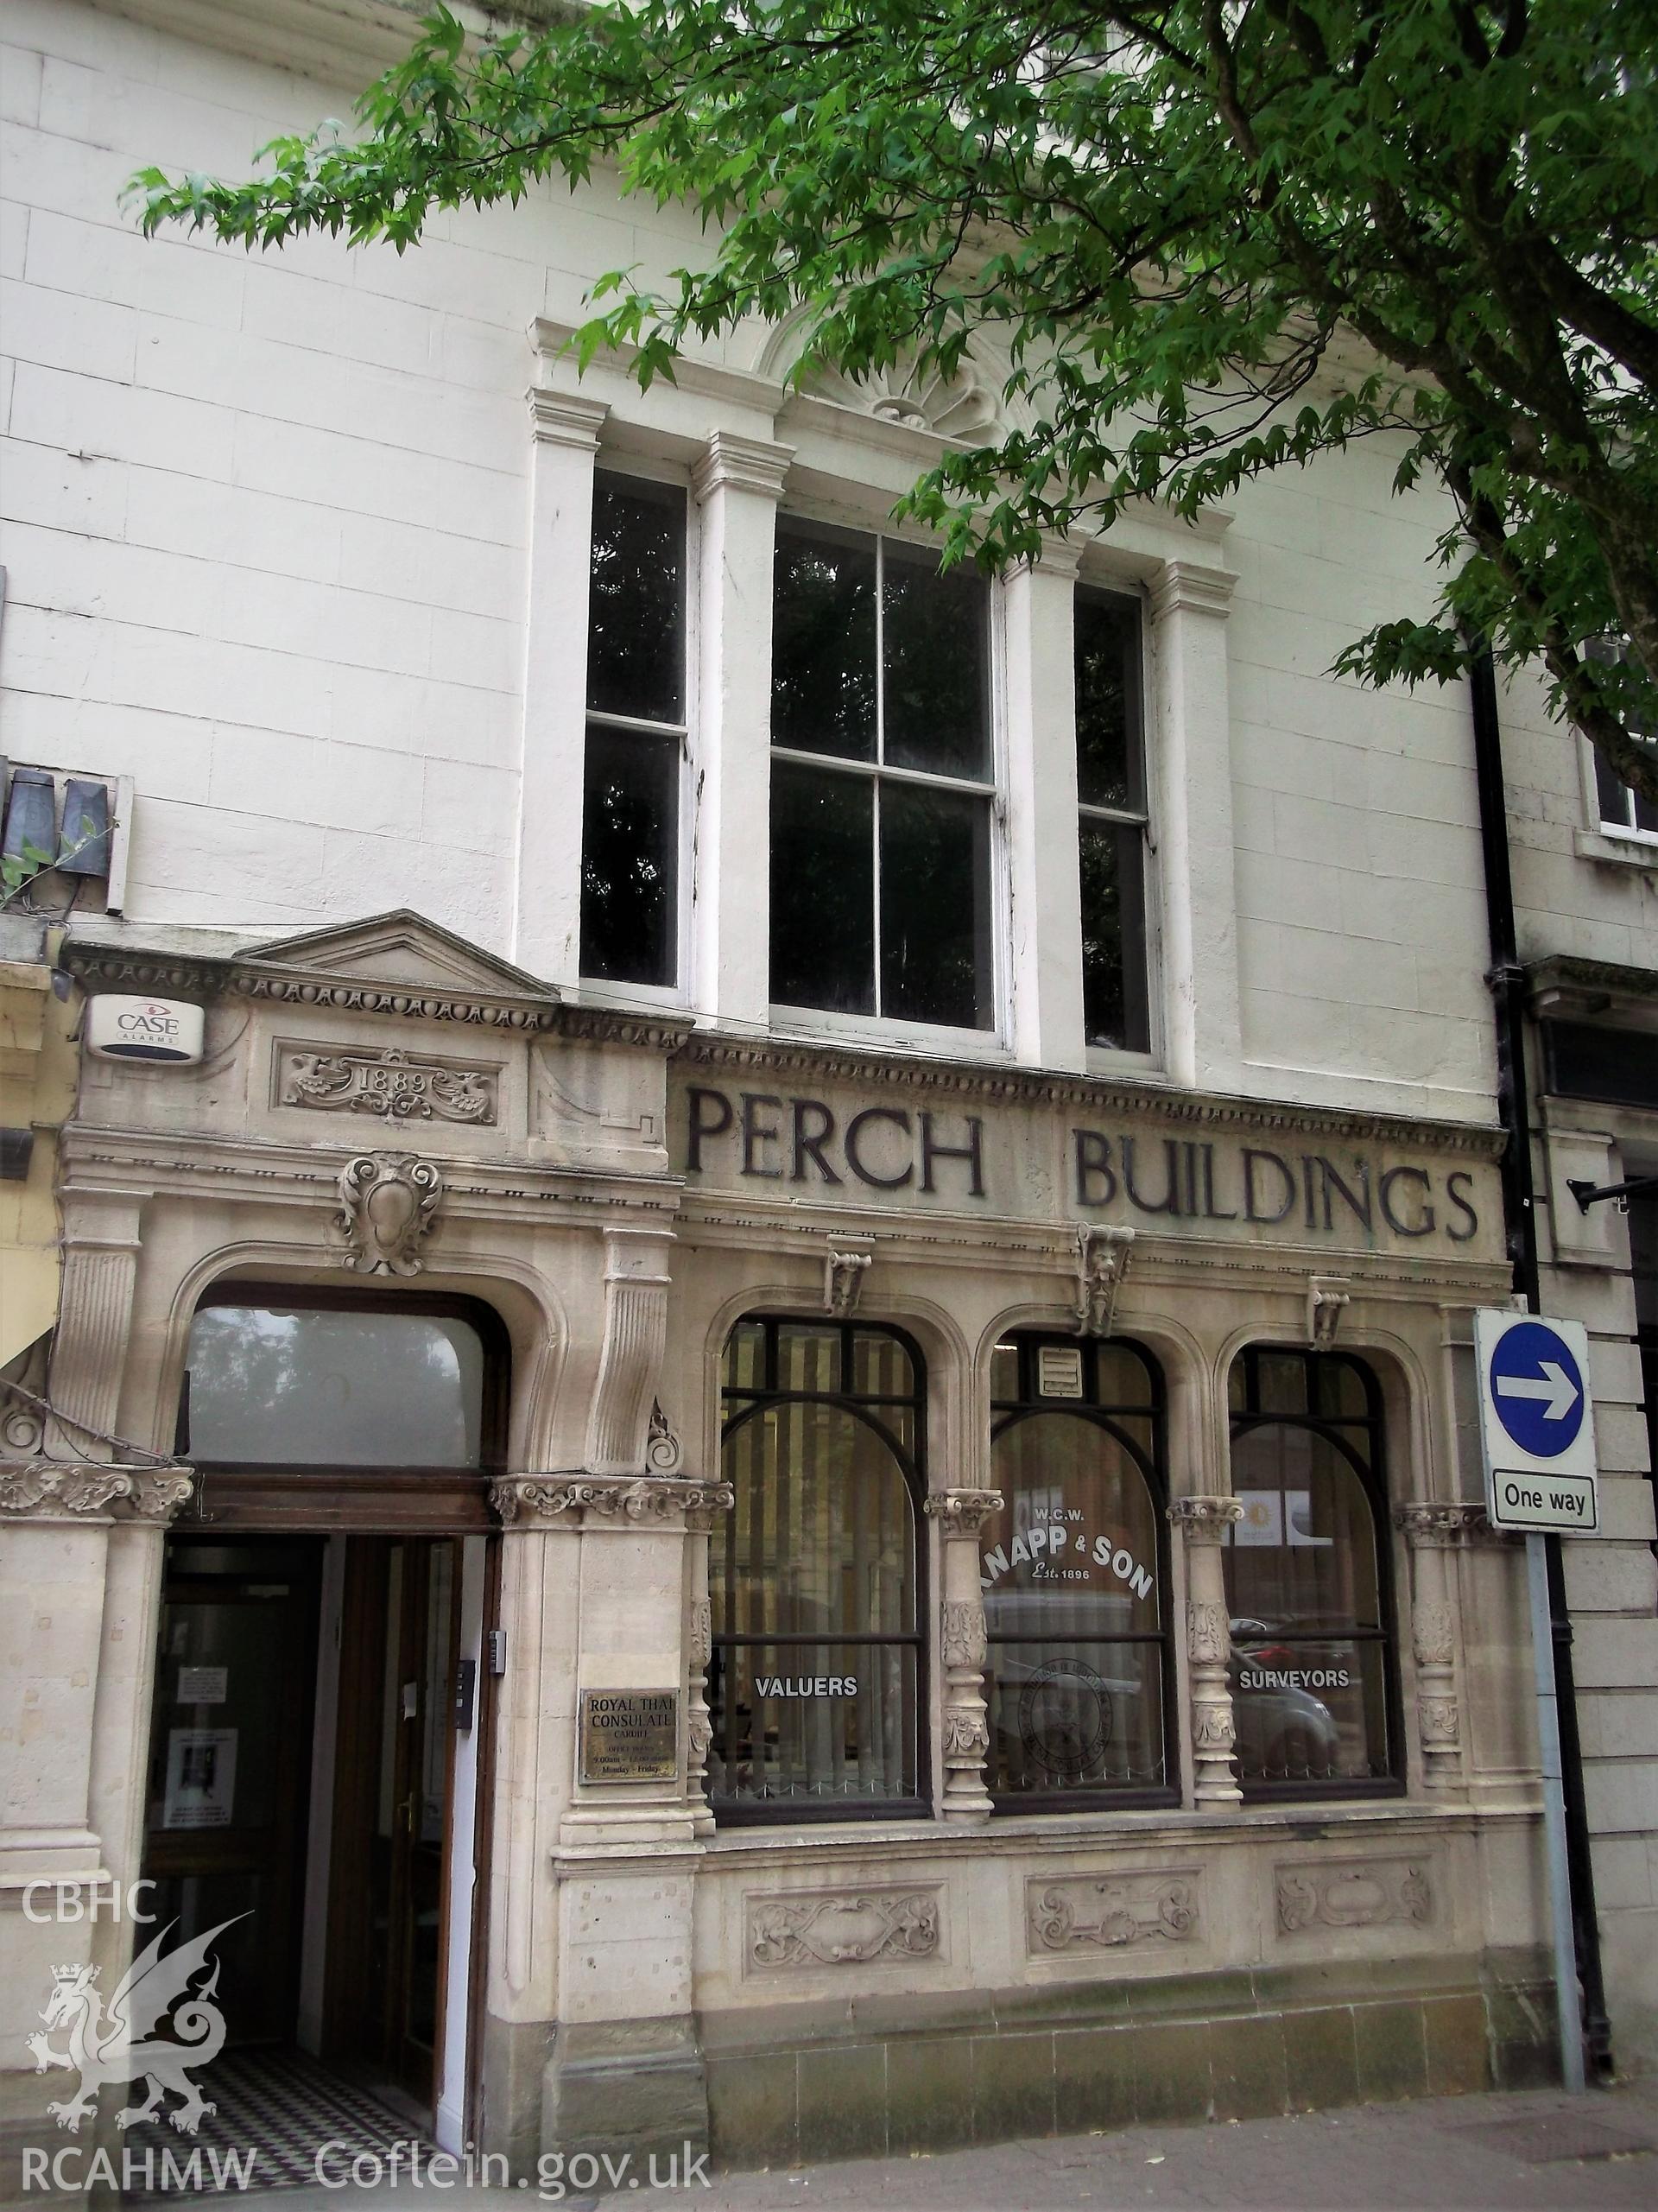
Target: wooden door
[[230, 1765], [387, 1919]]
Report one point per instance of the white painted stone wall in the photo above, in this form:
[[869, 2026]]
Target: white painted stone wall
[[267, 530]]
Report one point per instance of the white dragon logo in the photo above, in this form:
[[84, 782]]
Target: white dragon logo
[[116, 2050]]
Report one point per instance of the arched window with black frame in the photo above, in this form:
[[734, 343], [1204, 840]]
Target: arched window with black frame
[[817, 1682], [1078, 1676], [1308, 1578]]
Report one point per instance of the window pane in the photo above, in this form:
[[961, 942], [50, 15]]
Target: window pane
[[937, 672], [635, 642], [311, 1387], [1114, 1003], [1073, 1551], [935, 934], [630, 840], [821, 1538], [823, 651], [1303, 1559], [808, 1359], [1309, 1712], [822, 890], [1073, 1715], [812, 1722], [1108, 703], [745, 1357], [881, 1367], [1613, 794]]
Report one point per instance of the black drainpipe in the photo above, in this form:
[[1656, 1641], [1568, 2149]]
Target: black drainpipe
[[1508, 987]]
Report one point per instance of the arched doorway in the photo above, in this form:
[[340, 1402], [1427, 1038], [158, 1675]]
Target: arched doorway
[[316, 1782]]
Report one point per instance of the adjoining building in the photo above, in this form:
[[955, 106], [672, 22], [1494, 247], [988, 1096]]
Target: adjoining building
[[785, 1403]]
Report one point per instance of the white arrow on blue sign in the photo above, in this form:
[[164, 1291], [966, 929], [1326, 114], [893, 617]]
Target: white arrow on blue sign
[[1536, 1422]]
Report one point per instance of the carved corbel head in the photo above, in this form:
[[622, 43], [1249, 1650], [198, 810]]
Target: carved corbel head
[[1103, 1255]]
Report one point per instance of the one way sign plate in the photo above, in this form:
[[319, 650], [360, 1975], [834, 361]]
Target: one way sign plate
[[1536, 1422]]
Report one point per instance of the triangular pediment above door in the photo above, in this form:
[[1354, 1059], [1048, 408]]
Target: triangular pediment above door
[[400, 948]]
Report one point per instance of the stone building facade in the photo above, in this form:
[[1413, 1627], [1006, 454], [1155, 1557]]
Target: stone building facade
[[777, 1436]]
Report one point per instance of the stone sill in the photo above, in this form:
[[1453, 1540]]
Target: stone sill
[[898, 1841], [1615, 852]]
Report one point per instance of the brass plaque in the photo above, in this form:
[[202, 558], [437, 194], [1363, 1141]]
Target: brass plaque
[[630, 1735]]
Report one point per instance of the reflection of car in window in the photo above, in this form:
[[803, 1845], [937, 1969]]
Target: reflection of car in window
[[1284, 1730]]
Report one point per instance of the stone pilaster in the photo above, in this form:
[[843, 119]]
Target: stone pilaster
[[89, 1345], [1432, 1533], [1202, 1522], [961, 1514]]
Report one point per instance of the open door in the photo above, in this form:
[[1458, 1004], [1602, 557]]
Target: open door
[[387, 1919], [230, 1764]]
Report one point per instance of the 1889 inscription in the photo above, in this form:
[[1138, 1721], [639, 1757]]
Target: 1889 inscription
[[630, 1735]]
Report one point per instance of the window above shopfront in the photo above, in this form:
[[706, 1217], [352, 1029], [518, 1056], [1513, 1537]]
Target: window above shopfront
[[1113, 822], [882, 782], [1306, 1578], [1078, 1674], [637, 732], [815, 1687]]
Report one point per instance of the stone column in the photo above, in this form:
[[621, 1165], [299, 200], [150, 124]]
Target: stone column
[[737, 481], [700, 1650], [546, 920], [1202, 1522], [1432, 1533], [961, 1514]]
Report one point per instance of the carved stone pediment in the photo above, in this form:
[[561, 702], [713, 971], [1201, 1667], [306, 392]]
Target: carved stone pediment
[[397, 964], [400, 948]]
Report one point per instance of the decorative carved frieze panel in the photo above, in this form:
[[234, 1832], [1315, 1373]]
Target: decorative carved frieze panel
[[390, 1086], [1355, 1893], [598, 1500], [840, 1928], [49, 1490], [1113, 1912]]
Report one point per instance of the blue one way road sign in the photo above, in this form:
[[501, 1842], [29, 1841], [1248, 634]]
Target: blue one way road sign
[[1536, 1423]]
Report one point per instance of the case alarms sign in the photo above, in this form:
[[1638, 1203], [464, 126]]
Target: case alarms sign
[[1536, 1422]]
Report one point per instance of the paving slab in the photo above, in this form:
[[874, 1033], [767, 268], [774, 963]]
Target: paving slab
[[1540, 2150]]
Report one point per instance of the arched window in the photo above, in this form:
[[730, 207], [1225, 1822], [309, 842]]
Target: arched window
[[1078, 1674], [816, 1681], [1307, 1577]]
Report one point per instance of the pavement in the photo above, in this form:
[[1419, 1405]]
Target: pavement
[[1540, 2150]]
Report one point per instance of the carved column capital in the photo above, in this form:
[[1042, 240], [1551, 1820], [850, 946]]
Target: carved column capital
[[1427, 1525], [156, 1499], [962, 1512], [571, 1501], [741, 464], [565, 419], [1204, 1520], [54, 1490]]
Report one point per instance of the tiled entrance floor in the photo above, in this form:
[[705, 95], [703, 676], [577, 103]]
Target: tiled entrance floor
[[284, 2107]]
